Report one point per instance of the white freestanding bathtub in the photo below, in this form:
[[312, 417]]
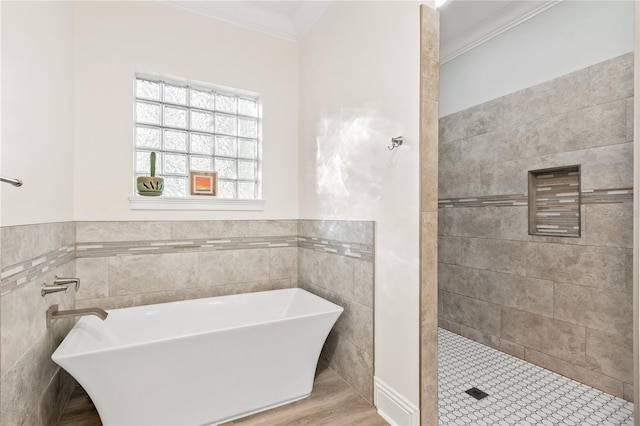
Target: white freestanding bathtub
[[202, 361]]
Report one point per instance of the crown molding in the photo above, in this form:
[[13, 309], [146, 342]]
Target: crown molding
[[503, 20]]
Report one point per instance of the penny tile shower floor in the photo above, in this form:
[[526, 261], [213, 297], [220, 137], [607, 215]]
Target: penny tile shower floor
[[520, 393]]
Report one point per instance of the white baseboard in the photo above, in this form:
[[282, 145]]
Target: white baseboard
[[393, 407]]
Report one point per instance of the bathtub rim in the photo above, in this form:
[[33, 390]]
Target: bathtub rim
[[55, 356]]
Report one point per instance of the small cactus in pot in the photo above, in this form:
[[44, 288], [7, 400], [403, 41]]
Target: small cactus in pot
[[151, 185]]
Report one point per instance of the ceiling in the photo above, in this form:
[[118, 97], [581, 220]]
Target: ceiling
[[464, 24], [286, 8], [285, 19]]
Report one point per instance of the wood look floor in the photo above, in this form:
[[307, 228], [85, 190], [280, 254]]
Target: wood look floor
[[332, 403], [80, 411]]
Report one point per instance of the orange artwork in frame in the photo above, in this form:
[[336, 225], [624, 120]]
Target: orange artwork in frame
[[203, 183]]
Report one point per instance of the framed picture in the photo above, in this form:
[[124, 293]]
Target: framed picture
[[203, 183]]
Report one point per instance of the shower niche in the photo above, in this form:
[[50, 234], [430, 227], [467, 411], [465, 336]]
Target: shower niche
[[554, 202]]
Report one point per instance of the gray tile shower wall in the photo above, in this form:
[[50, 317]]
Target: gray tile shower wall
[[126, 264], [335, 261], [562, 303], [34, 389]]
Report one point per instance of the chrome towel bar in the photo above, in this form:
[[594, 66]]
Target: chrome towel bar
[[14, 182]]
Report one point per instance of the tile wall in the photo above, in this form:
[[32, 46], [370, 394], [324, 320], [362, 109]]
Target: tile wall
[[336, 262], [137, 263], [34, 389], [562, 303], [123, 264]]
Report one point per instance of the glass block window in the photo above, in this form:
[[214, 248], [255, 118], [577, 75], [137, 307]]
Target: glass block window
[[197, 128]]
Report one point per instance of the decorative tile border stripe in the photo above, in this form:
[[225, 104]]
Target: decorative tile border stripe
[[486, 201], [358, 251], [17, 274], [607, 196], [128, 248], [593, 196]]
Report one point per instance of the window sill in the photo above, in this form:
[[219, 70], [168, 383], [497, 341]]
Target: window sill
[[194, 203]]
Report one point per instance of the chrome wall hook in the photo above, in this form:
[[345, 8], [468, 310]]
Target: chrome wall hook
[[395, 142]]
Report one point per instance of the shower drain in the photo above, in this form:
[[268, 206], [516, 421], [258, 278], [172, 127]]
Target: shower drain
[[476, 393]]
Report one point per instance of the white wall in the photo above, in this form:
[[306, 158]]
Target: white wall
[[560, 40], [1, 185], [37, 132], [113, 40], [358, 89]]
